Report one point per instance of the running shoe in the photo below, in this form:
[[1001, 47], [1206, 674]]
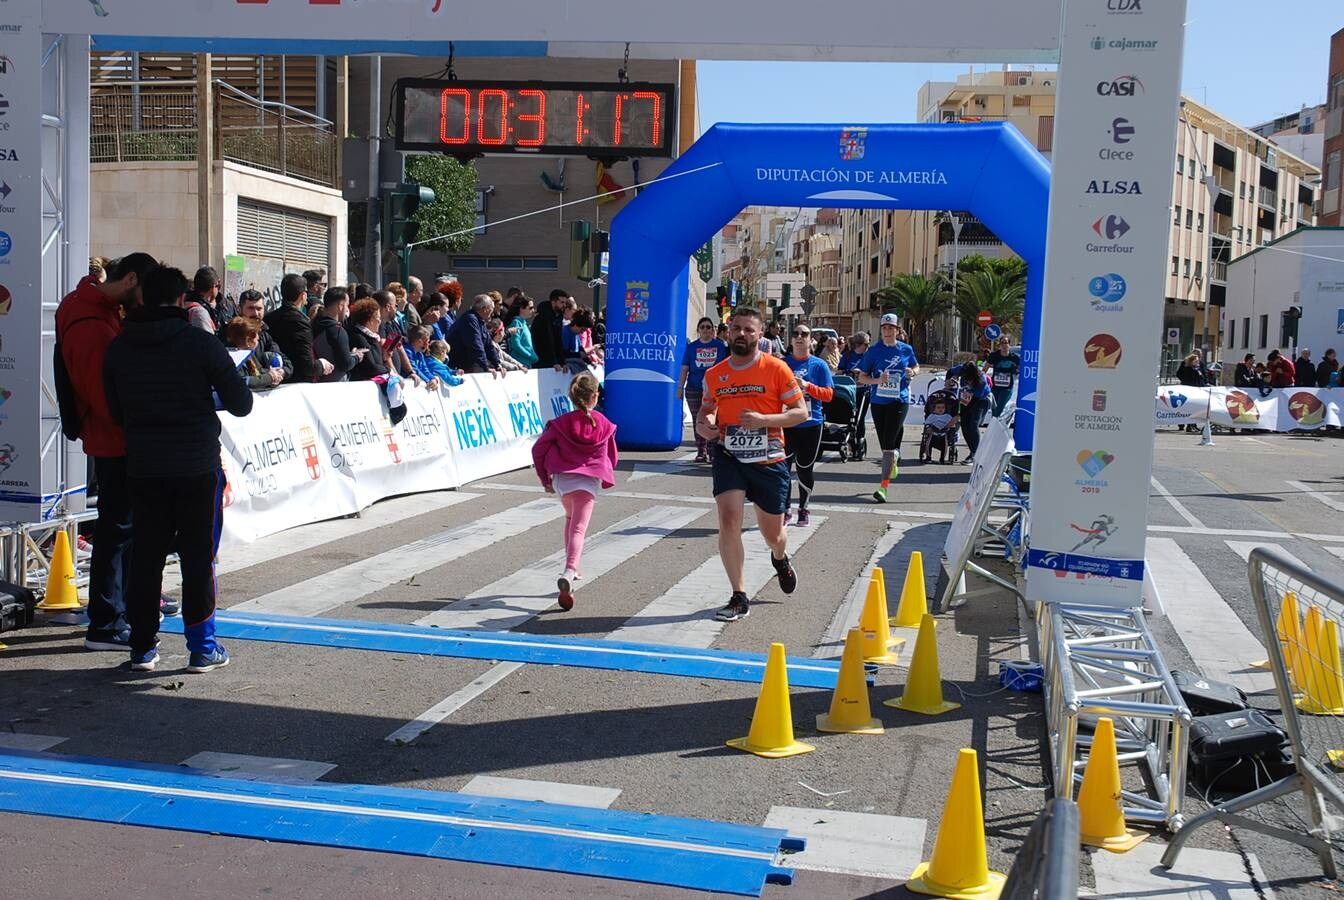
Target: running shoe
[[895, 467], [200, 663], [144, 662], [788, 517], [737, 608], [804, 518], [564, 585], [83, 546], [788, 579], [880, 495], [168, 606], [107, 639], [701, 457]]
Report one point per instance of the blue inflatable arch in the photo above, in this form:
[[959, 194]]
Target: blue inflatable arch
[[987, 169]]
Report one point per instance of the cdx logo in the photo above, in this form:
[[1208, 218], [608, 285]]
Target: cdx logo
[[1120, 86], [1124, 7]]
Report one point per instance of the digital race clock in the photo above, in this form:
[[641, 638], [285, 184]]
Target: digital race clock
[[608, 119]]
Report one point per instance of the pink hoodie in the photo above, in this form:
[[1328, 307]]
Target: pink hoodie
[[571, 444]]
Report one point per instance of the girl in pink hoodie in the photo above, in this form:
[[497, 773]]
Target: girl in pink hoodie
[[576, 457]]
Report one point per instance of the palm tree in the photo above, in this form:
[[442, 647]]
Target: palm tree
[[919, 300], [1003, 295]]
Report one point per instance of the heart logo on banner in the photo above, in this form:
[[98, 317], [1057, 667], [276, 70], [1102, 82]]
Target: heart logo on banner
[[1093, 461]]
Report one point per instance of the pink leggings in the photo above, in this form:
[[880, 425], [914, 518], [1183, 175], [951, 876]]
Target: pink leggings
[[578, 510]]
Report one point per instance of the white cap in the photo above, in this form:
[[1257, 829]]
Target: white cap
[[891, 319]]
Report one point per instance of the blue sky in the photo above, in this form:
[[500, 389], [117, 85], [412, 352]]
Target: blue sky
[[1263, 60]]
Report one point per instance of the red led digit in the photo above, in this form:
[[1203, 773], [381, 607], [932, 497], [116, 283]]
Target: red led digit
[[503, 117], [578, 122], [656, 99], [538, 118], [616, 135], [466, 115]]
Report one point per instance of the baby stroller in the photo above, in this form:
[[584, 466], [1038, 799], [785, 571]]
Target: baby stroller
[[940, 434], [842, 428]]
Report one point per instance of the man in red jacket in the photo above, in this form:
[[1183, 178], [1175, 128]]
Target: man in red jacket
[[86, 322]]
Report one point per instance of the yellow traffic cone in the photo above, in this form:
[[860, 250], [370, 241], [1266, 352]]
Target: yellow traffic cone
[[1289, 627], [850, 711], [771, 733], [61, 594], [1102, 817], [1323, 690], [924, 685], [881, 578], [878, 643], [959, 867], [914, 602]]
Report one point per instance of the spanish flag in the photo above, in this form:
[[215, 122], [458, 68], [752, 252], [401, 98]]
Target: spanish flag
[[609, 187]]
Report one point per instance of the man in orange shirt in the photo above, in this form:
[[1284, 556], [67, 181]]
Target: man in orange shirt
[[750, 398]]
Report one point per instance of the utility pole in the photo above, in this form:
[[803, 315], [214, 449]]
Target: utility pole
[[205, 160], [373, 227], [956, 259]]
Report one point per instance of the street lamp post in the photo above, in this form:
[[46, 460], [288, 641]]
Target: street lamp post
[[956, 258]]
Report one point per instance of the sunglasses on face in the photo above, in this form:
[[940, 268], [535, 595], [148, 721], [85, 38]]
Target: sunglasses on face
[[802, 334]]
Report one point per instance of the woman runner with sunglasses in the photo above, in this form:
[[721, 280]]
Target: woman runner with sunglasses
[[705, 351], [803, 442]]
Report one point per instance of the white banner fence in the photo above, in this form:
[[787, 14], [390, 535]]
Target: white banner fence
[[313, 452], [1282, 409]]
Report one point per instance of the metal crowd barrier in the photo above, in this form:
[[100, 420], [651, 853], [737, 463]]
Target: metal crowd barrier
[[1301, 617], [26, 548], [1046, 867], [1101, 661]]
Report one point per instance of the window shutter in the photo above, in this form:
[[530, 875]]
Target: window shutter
[[300, 240]]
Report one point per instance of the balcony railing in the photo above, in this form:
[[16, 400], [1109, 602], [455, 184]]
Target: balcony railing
[[157, 122], [1268, 197], [1222, 226], [1217, 271], [1226, 180]]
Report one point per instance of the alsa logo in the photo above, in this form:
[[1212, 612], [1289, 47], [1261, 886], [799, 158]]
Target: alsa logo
[[7, 155], [1120, 86], [1106, 186]]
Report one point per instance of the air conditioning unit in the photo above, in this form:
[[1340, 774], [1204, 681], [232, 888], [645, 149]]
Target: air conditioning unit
[[1047, 83], [1024, 79]]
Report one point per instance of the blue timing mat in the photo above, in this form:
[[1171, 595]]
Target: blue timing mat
[[689, 853], [657, 659]]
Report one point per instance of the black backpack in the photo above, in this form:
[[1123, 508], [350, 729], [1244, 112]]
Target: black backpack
[[72, 423]]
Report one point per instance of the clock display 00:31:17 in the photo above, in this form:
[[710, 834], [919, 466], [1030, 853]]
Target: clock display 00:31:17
[[487, 117]]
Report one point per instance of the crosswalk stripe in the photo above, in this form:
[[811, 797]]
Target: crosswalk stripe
[[1244, 548], [317, 534], [852, 843], [366, 576], [1337, 551], [1319, 496], [452, 703], [662, 467], [259, 768], [542, 791], [846, 617], [1217, 640], [519, 596], [34, 743], [682, 616]]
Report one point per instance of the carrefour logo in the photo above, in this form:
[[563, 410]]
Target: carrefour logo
[[1174, 400]]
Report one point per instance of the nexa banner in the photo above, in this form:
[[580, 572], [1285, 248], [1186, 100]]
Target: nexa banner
[[313, 452]]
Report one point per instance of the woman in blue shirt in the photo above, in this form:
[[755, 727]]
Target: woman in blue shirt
[[700, 354], [803, 442], [974, 393], [519, 341], [889, 365]]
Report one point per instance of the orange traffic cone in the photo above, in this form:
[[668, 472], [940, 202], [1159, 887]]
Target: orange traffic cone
[[1323, 687], [924, 685], [771, 733], [1102, 817], [878, 643], [914, 601], [959, 866], [850, 711], [61, 594]]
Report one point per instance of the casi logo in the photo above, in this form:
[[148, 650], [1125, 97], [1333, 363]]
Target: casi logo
[[1093, 461], [1120, 86], [1105, 186], [1102, 351]]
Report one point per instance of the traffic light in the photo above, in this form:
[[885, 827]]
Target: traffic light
[[784, 291], [399, 206], [721, 297], [580, 254]]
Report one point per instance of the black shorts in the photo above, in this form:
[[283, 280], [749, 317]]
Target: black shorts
[[765, 484], [890, 421]]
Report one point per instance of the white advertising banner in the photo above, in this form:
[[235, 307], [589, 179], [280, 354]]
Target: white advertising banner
[[1111, 175], [983, 483], [1284, 409], [1024, 30], [22, 232]]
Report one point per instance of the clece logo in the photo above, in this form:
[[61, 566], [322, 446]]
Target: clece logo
[[1102, 351], [1124, 7], [1305, 408], [1241, 407], [852, 143], [1108, 292], [1121, 131], [1105, 186], [1120, 86], [6, 65]]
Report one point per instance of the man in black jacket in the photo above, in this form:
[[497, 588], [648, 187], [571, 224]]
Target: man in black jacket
[[159, 376], [470, 346], [291, 329], [547, 326], [331, 342], [250, 306]]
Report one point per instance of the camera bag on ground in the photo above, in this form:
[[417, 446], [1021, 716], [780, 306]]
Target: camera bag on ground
[[1235, 752], [17, 606], [1207, 698]]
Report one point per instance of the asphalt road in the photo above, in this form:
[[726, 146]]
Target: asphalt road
[[658, 740]]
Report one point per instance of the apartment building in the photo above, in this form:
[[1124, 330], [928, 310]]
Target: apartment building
[[1332, 203], [815, 254], [1301, 133], [756, 242], [1236, 190]]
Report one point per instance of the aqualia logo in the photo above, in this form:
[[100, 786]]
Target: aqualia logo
[[1108, 291]]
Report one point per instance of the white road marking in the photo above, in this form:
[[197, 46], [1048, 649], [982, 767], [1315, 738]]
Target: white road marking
[[308, 537], [521, 595], [1177, 505], [832, 643], [1239, 532], [662, 467], [852, 843], [1219, 643], [366, 576], [452, 703], [1137, 873], [34, 743], [259, 768], [1320, 496], [1244, 548], [542, 791], [1337, 551], [683, 616]]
